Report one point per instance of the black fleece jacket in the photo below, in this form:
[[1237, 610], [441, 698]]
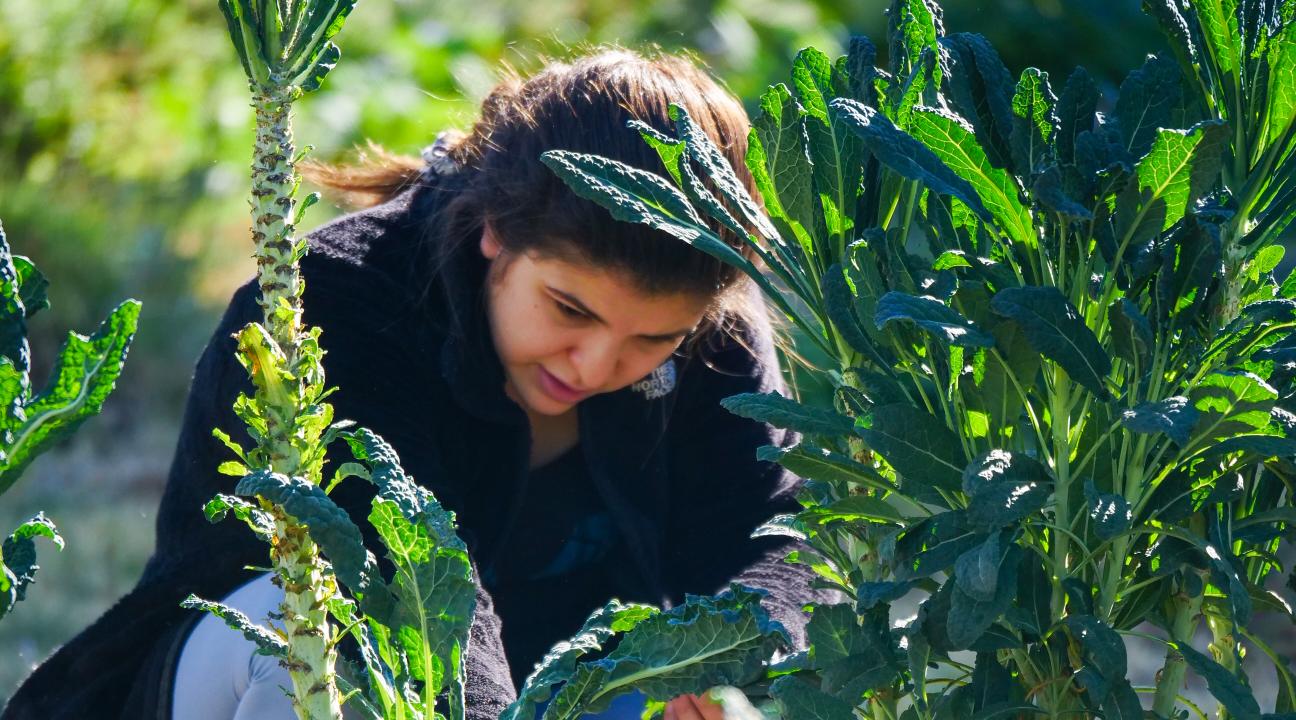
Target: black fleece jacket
[[409, 348]]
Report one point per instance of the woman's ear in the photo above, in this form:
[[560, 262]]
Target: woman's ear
[[490, 245]]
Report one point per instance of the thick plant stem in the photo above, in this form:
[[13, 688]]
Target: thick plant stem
[[306, 578], [1059, 422], [1114, 571], [1224, 648], [308, 584], [1183, 621], [273, 183], [885, 706]]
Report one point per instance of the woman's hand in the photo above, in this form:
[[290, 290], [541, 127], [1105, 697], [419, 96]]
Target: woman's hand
[[718, 703], [692, 707]]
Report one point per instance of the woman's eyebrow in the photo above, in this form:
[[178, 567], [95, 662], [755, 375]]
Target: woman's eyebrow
[[576, 303]]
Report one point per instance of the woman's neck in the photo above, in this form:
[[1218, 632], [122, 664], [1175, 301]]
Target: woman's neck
[[552, 435]]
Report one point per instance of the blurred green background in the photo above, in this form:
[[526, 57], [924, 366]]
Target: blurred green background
[[125, 138]]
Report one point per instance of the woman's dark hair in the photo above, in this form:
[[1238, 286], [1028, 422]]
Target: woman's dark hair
[[581, 105]]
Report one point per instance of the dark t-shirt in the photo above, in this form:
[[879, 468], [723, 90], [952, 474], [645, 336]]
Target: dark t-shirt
[[563, 547]]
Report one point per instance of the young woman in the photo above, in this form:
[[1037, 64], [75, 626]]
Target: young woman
[[551, 374]]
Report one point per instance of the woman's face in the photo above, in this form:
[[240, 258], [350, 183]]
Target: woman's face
[[564, 332]]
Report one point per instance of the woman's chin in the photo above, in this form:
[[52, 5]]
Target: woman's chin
[[542, 404], [535, 401]]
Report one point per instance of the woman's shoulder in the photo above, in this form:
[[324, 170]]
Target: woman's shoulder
[[386, 240], [393, 236], [377, 261], [368, 282]]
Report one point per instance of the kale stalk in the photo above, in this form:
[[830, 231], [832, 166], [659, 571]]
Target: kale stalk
[[286, 52]]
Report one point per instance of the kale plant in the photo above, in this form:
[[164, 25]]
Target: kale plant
[[1063, 368], [726, 640], [411, 630], [84, 374]]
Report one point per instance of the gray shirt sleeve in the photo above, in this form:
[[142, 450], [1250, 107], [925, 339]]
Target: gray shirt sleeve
[[219, 676]]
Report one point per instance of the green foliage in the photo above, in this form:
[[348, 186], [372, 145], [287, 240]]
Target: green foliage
[[928, 458], [931, 315], [267, 642], [707, 641], [286, 45], [1067, 420], [84, 373], [18, 559], [777, 410], [418, 622], [328, 525], [1054, 329], [414, 628], [559, 663]]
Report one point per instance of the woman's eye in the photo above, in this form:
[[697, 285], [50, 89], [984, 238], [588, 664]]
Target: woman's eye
[[568, 310]]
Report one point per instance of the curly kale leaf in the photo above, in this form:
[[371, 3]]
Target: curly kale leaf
[[18, 559], [707, 641]]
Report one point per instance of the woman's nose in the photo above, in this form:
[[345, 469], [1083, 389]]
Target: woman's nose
[[595, 362]]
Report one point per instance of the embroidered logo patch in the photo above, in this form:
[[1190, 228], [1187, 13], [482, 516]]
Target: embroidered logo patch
[[659, 382]]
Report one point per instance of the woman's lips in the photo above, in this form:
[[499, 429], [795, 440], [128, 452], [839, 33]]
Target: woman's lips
[[557, 389]]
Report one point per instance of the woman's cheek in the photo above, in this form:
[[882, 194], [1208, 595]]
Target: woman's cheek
[[541, 341]]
